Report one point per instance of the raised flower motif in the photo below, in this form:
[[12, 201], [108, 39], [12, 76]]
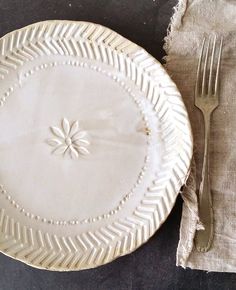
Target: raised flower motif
[[69, 139]]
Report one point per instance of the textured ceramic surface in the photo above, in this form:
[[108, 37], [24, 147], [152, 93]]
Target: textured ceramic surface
[[95, 144]]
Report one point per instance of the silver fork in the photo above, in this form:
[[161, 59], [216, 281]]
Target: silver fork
[[207, 100]]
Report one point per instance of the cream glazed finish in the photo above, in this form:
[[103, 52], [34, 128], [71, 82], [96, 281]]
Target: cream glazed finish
[[122, 137]]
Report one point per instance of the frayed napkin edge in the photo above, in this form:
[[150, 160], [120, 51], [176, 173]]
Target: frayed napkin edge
[[190, 208], [175, 23]]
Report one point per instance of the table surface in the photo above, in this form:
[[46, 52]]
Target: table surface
[[152, 266]]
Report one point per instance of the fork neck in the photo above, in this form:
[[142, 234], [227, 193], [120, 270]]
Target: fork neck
[[207, 119]]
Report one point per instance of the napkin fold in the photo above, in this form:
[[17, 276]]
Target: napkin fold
[[192, 21]]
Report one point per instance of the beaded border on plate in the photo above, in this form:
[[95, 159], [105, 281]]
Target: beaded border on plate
[[140, 176]]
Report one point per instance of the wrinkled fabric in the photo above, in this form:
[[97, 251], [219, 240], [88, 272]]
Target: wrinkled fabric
[[192, 21]]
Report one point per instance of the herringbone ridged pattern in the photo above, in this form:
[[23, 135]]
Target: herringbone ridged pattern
[[91, 41]]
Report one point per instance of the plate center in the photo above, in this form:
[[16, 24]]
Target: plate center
[[73, 141]]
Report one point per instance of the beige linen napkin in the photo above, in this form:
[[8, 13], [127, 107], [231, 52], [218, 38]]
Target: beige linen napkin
[[193, 20]]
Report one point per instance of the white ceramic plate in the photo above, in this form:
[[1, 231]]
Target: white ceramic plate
[[95, 144]]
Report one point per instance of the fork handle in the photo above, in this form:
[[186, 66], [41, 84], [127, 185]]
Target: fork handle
[[203, 238]]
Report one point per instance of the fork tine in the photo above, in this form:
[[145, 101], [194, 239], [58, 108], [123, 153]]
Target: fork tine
[[204, 70], [198, 81], [211, 67], [218, 68]]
